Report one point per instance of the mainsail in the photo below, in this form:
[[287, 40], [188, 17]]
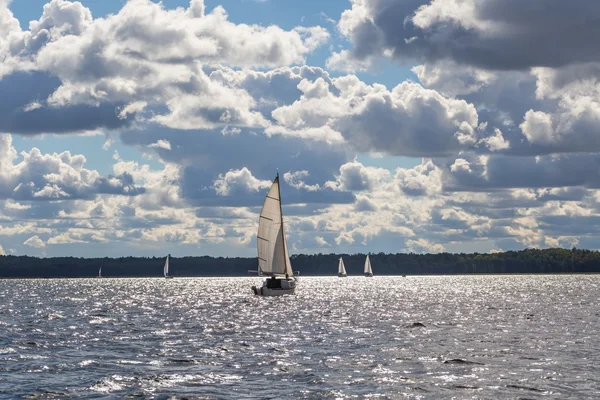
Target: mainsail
[[341, 267], [273, 256], [166, 268], [368, 269]]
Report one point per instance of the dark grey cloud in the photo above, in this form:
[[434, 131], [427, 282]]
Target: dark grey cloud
[[410, 121], [23, 108], [472, 173], [122, 184], [205, 155], [497, 34], [501, 204], [570, 225], [39, 188]]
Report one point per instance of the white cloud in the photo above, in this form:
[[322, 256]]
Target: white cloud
[[452, 79], [236, 182], [190, 70], [108, 143], [496, 142], [424, 179], [295, 180], [321, 242], [423, 246], [343, 61], [537, 127], [161, 144], [407, 120], [146, 57], [54, 176], [35, 242], [64, 238], [354, 176], [460, 165]]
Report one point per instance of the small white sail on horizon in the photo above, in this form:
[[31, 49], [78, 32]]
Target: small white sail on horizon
[[166, 267], [368, 268], [342, 269], [273, 256], [100, 272]]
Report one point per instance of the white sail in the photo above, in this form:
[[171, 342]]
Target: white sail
[[166, 268], [100, 272], [273, 256], [368, 269], [341, 267]]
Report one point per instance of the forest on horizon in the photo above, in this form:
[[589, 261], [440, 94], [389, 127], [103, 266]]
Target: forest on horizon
[[528, 261]]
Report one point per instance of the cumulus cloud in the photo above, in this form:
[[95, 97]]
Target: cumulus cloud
[[496, 142], [236, 182], [482, 173], [295, 180], [494, 34], [423, 246], [55, 176], [35, 242], [453, 79], [407, 120], [354, 176], [201, 158], [537, 128], [505, 128], [424, 179], [143, 58], [321, 242], [161, 144]]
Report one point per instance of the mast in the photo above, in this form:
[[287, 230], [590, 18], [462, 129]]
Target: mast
[[285, 256]]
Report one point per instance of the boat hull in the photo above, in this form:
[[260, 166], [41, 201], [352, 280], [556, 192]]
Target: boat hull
[[264, 291], [368, 275], [342, 276], [275, 287]]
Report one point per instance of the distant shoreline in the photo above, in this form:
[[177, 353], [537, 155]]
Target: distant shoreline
[[306, 276], [523, 262]]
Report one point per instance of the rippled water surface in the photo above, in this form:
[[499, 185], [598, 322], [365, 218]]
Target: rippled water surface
[[384, 337]]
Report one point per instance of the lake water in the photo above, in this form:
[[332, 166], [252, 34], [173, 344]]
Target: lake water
[[384, 337]]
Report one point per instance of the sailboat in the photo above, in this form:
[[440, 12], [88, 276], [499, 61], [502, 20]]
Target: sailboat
[[166, 268], [342, 269], [273, 256], [368, 269], [100, 273]]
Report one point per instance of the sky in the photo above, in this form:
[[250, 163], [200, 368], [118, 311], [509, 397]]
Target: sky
[[144, 128]]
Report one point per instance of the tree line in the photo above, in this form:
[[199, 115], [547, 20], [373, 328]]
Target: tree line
[[529, 261]]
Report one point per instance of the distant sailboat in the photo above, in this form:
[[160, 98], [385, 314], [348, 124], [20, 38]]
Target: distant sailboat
[[166, 268], [100, 273], [368, 269], [342, 269], [273, 257]]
